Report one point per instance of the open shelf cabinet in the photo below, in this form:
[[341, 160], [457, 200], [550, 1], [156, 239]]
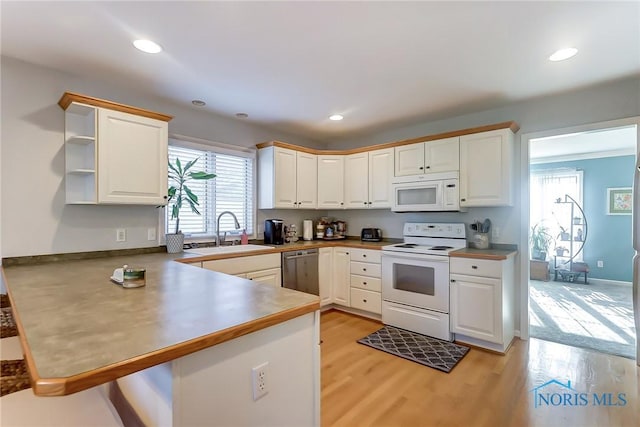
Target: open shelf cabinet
[[80, 154]]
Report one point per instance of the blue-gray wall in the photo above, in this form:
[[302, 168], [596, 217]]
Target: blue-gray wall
[[609, 236]]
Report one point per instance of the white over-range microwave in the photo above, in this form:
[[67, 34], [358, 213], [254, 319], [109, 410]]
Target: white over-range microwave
[[429, 192]]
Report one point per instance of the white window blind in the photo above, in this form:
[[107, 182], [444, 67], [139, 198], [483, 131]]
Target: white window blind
[[231, 190]]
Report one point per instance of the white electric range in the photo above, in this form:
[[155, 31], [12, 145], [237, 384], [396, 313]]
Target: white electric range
[[415, 278]]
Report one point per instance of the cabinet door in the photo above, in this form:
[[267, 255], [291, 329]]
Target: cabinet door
[[271, 277], [380, 174], [325, 273], [284, 169], [356, 181], [132, 159], [409, 159], [341, 276], [476, 307], [307, 180], [442, 155], [486, 169], [331, 182]]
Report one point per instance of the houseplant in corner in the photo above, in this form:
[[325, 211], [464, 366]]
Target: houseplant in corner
[[180, 193], [540, 242]]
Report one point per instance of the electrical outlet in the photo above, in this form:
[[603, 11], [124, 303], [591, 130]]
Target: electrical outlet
[[600, 264], [151, 234], [259, 379], [121, 235], [496, 232]]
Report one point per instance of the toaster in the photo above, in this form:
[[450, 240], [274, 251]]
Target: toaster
[[371, 235]]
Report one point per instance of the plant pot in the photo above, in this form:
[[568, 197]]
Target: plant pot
[[539, 255], [175, 243]]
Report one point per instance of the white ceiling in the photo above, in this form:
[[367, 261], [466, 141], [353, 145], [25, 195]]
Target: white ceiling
[[290, 65], [620, 141]]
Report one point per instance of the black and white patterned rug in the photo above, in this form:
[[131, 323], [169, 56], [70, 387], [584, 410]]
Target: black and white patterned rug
[[428, 351]]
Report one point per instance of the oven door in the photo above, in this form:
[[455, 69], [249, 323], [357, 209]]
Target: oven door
[[417, 280]]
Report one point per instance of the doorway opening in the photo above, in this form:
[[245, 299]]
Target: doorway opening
[[581, 253]]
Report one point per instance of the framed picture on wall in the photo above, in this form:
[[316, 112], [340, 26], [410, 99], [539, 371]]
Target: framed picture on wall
[[619, 201]]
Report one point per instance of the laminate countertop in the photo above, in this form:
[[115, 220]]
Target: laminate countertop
[[490, 254], [79, 330]]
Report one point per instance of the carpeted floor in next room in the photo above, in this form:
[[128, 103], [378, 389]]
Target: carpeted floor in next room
[[594, 316]]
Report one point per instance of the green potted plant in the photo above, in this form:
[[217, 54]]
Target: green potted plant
[[178, 194], [540, 242]]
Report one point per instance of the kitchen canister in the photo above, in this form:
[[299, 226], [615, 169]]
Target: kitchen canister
[[307, 229], [479, 240]]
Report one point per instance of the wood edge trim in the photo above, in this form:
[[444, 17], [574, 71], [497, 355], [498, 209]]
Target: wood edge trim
[[85, 380], [479, 256], [487, 350], [123, 407], [318, 245], [26, 351], [69, 97], [452, 134]]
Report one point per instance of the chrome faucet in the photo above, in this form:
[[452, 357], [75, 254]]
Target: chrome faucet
[[218, 225]]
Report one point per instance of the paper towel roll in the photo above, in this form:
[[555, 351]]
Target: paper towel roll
[[307, 229]]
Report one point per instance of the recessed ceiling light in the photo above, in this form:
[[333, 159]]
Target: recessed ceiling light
[[198, 103], [562, 54], [147, 46], [336, 117], [242, 115]]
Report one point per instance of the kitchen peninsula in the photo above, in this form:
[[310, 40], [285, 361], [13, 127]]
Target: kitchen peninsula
[[193, 336]]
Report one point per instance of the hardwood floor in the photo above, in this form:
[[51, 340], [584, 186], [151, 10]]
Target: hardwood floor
[[362, 386]]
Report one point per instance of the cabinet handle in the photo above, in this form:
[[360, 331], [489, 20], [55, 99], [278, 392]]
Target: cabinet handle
[[421, 168], [369, 202], [364, 255], [428, 167], [364, 269], [364, 300], [364, 283], [341, 203], [463, 200], [165, 197], [453, 281], [365, 203], [475, 267]]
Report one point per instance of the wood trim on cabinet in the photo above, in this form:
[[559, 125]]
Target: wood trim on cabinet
[[469, 131], [69, 97]]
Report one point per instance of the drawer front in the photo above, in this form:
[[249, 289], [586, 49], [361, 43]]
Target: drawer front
[[366, 255], [243, 264], [475, 267], [366, 300], [368, 283], [365, 269]]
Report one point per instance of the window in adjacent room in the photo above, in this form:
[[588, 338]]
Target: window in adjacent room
[[231, 190]]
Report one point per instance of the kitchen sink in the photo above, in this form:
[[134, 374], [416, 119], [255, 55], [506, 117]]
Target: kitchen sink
[[215, 250]]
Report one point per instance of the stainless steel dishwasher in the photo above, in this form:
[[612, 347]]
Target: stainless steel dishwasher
[[300, 271]]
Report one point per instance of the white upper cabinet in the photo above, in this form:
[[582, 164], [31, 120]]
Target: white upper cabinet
[[306, 180], [132, 159], [356, 181], [380, 174], [331, 181], [114, 154], [367, 179], [441, 155], [286, 179], [486, 168]]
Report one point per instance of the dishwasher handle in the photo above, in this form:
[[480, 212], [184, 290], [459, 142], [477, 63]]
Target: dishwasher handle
[[298, 256]]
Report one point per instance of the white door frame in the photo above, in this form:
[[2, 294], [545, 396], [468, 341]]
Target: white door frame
[[525, 140]]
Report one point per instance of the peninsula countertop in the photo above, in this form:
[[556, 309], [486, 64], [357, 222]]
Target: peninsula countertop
[[79, 330]]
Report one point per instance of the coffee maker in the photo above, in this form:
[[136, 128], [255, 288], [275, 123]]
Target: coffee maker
[[274, 232]]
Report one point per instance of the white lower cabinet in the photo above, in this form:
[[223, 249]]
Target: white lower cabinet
[[325, 273], [341, 269], [259, 268], [365, 280], [271, 277], [482, 302]]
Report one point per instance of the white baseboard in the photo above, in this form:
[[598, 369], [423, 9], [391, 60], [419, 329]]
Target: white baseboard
[[596, 281]]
